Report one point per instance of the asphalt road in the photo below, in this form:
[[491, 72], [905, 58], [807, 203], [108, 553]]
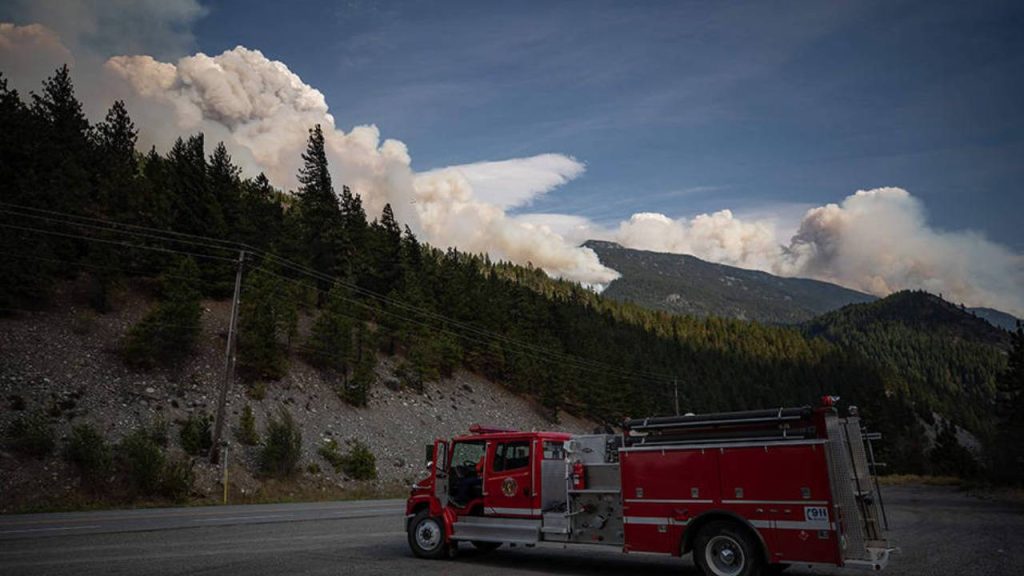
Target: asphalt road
[[938, 530]]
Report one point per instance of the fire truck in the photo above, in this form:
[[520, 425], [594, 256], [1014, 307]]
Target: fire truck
[[746, 492]]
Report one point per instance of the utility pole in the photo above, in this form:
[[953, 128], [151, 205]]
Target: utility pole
[[229, 363], [675, 386]]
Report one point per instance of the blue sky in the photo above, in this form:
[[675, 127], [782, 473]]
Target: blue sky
[[680, 107]]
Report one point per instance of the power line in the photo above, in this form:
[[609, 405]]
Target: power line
[[114, 242], [113, 223], [575, 362]]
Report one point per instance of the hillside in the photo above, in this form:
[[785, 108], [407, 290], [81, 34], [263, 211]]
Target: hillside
[[63, 362], [684, 284], [945, 358]]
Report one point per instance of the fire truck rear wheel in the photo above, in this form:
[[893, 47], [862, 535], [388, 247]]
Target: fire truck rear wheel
[[426, 536], [726, 549]]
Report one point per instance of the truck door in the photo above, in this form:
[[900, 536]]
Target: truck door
[[509, 482], [441, 472]]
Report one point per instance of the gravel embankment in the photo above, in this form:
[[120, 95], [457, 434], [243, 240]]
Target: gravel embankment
[[64, 362]]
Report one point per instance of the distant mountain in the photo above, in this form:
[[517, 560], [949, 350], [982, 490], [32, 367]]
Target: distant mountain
[[996, 318], [913, 309], [946, 359], [684, 284]]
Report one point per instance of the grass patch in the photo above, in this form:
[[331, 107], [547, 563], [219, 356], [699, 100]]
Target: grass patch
[[918, 479]]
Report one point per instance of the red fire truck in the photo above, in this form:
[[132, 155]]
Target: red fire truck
[[745, 492]]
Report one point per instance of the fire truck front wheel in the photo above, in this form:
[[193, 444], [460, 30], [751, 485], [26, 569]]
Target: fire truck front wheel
[[426, 536], [726, 549]]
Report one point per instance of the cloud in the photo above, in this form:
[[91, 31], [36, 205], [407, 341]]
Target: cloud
[[880, 241], [104, 28], [719, 237], [28, 54], [452, 216], [516, 182]]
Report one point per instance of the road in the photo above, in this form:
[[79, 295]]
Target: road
[[939, 531]]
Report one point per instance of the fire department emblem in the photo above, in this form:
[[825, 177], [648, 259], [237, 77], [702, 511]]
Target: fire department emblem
[[509, 487]]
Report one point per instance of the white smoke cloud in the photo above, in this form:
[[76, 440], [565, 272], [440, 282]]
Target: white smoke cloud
[[719, 237], [28, 54], [102, 28], [880, 241], [516, 182]]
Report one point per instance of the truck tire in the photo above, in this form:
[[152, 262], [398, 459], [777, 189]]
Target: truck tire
[[725, 548], [427, 537], [485, 546]]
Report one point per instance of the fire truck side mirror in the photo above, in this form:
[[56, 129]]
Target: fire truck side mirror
[[429, 454]]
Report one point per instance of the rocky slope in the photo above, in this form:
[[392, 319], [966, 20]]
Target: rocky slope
[[63, 362]]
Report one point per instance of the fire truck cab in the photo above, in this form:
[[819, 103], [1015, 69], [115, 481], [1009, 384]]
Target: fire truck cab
[[742, 491]]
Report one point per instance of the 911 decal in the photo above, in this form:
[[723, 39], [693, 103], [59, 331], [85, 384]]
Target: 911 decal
[[816, 515]]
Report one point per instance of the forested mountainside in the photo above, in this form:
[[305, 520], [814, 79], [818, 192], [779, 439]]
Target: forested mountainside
[[945, 358], [80, 203], [684, 284]]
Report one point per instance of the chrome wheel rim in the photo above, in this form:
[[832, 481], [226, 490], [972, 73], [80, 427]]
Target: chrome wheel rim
[[428, 534], [724, 556]]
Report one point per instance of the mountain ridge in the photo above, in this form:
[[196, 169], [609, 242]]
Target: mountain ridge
[[656, 280], [685, 284]]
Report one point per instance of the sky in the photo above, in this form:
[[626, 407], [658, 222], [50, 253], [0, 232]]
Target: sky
[[688, 106], [876, 144]]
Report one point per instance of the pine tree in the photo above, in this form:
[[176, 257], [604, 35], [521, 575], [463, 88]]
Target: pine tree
[[357, 391], [26, 280], [330, 341], [319, 217], [168, 333], [194, 205], [261, 214], [352, 239], [226, 183], [117, 184], [267, 317], [1008, 459]]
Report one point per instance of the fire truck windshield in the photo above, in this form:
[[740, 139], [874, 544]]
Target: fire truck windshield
[[467, 453]]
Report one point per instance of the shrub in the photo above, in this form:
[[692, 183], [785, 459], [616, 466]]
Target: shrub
[[360, 463], [142, 461], [330, 452], [256, 390], [282, 447], [177, 479], [89, 451], [196, 436], [158, 431], [31, 435], [246, 432]]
